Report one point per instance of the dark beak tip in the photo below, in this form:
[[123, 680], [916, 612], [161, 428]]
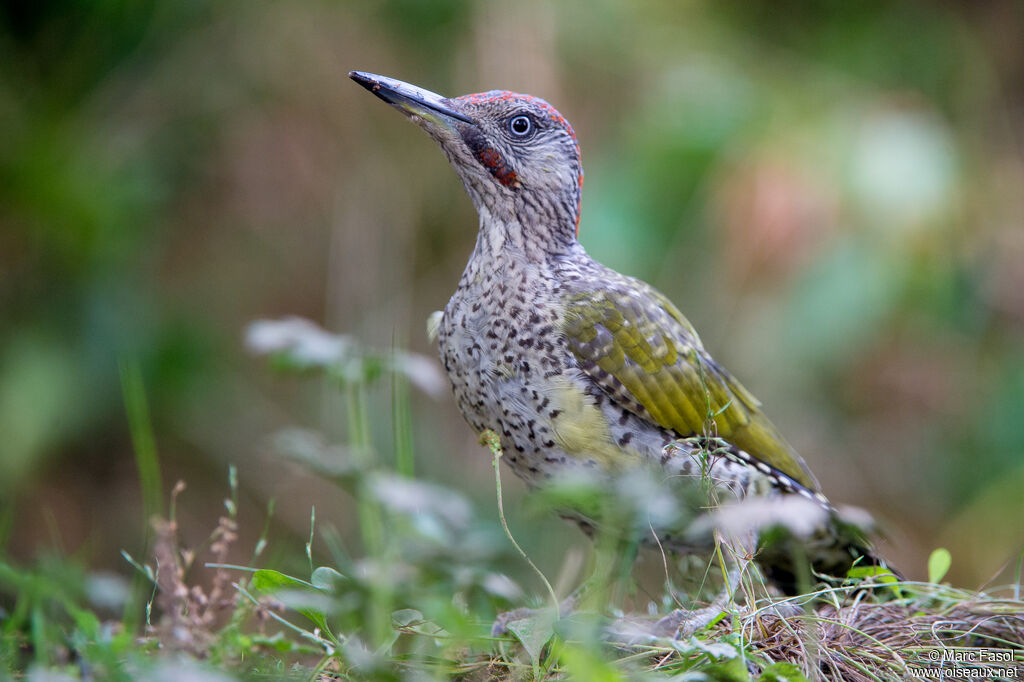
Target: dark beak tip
[[364, 79], [393, 92]]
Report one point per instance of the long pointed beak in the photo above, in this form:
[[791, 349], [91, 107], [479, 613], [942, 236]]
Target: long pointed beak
[[410, 98]]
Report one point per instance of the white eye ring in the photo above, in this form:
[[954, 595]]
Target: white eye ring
[[520, 126]]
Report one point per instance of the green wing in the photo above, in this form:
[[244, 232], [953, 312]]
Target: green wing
[[646, 356]]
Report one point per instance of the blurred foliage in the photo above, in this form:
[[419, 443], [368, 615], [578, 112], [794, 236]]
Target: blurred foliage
[[830, 191], [414, 594]]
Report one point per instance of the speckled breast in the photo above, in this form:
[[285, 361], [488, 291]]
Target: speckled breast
[[507, 363]]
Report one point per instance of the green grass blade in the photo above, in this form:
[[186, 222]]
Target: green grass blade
[[401, 418], [143, 441]]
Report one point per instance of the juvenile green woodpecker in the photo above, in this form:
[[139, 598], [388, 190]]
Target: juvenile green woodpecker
[[572, 364]]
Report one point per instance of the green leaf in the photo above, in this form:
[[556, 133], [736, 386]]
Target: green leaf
[[266, 580], [782, 672], [326, 578], [588, 665], [278, 642], [716, 650], [732, 670], [404, 617], [298, 594], [86, 621], [938, 564], [534, 632], [878, 574], [720, 661]]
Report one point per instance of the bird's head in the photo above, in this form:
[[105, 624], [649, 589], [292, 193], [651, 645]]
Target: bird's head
[[516, 155]]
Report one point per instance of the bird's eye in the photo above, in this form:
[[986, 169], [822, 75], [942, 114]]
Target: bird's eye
[[520, 126]]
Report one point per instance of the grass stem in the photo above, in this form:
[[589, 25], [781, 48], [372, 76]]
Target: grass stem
[[490, 440]]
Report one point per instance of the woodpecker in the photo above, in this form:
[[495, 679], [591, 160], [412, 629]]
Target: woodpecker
[[572, 364]]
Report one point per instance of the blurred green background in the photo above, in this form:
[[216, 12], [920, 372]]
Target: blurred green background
[[833, 193]]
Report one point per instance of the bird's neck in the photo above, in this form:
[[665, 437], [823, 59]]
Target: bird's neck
[[525, 230]]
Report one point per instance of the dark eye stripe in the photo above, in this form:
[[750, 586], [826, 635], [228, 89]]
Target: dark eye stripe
[[489, 157]]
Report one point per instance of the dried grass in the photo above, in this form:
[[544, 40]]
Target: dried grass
[[190, 613], [860, 640], [864, 641]]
